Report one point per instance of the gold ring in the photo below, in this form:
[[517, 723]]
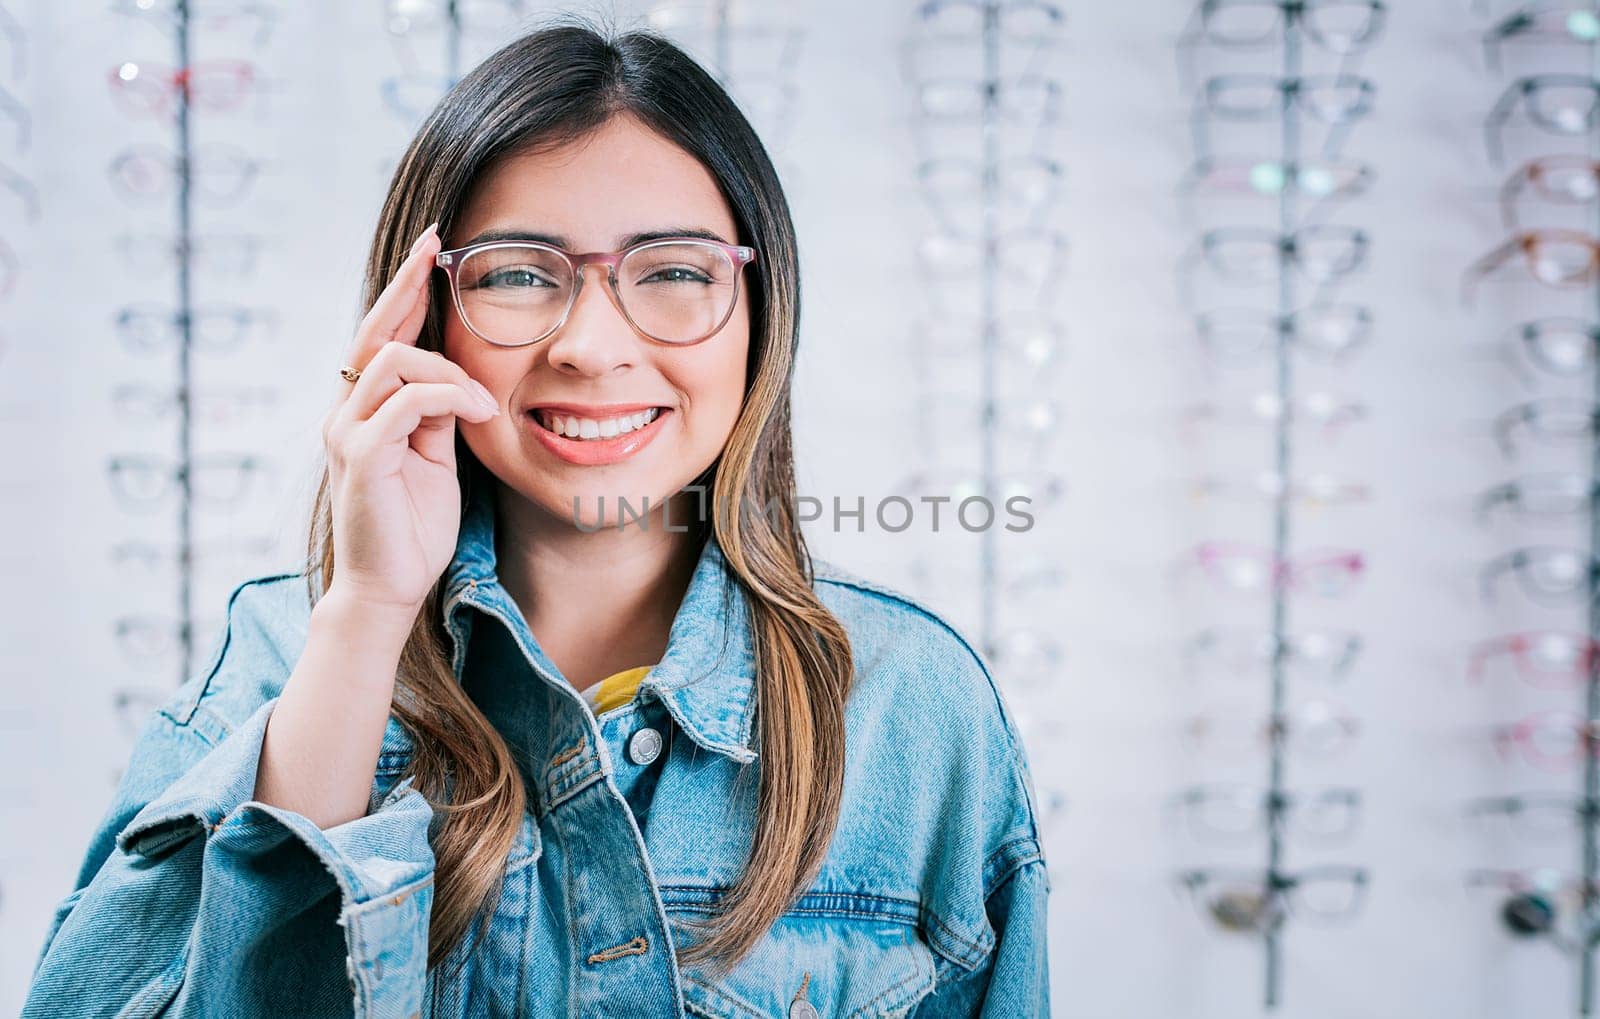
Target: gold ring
[[350, 374]]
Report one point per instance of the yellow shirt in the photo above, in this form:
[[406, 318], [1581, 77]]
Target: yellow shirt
[[615, 690]]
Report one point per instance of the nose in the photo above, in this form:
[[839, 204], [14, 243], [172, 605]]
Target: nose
[[596, 337]]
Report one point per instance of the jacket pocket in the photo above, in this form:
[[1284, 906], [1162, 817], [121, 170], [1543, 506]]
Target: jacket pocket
[[845, 963]]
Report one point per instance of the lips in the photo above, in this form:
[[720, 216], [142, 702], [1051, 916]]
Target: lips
[[596, 451]]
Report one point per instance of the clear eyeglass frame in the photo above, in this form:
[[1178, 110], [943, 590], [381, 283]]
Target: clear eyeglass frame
[[452, 260]]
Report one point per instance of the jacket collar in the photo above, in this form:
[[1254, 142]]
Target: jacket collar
[[706, 677]]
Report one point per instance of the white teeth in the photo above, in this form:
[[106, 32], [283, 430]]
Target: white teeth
[[588, 428]]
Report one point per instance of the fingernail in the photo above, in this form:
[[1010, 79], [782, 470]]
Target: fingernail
[[484, 395], [422, 237]]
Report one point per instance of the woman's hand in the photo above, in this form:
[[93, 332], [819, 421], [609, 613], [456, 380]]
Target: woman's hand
[[390, 441]]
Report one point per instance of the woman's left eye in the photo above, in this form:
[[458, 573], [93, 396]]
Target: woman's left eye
[[684, 274]]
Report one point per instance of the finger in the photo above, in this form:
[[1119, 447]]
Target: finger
[[394, 306], [396, 365], [406, 411]]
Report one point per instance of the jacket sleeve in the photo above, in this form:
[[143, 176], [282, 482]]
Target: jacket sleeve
[[1013, 981], [193, 898]]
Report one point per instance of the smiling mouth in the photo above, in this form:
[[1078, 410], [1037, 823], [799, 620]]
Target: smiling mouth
[[591, 430]]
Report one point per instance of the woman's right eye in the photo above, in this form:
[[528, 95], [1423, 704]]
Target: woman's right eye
[[510, 278]]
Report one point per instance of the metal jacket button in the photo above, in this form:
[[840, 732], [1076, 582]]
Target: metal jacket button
[[644, 746], [800, 1008]]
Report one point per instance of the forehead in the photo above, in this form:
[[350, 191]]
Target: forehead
[[620, 179]]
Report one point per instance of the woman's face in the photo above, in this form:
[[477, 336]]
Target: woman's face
[[621, 179]]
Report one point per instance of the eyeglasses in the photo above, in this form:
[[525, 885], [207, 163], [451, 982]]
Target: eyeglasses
[[1547, 574], [152, 254], [1560, 345], [1253, 901], [1553, 421], [1578, 23], [142, 483], [1324, 332], [1541, 903], [677, 290], [1565, 180], [1338, 26], [144, 403], [1319, 180], [1232, 813], [1247, 255], [1557, 258], [1337, 100], [1312, 490], [1542, 498], [220, 173], [1549, 659], [209, 17], [954, 189], [1249, 568], [151, 91], [146, 329], [1243, 652], [1329, 412], [1559, 103], [1317, 728], [1538, 817], [1549, 740]]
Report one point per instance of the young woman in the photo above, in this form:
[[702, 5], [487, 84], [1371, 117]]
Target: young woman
[[563, 719]]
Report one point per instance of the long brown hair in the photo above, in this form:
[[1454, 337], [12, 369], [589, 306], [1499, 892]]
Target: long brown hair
[[551, 86]]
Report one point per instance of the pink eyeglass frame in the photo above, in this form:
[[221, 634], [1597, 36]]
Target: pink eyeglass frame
[[450, 261]]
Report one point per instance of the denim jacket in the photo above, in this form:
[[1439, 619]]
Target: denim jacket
[[193, 898]]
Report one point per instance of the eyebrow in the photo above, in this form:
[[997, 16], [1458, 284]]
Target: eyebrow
[[624, 241]]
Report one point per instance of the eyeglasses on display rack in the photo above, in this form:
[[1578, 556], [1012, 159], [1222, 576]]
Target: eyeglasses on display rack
[[1236, 566], [1542, 902], [1315, 728], [1551, 421], [1326, 332], [1022, 186], [677, 290], [210, 16], [1546, 574], [1231, 653], [1342, 27], [212, 86], [1322, 183], [1551, 497], [150, 255], [1549, 740], [1563, 180], [1313, 490], [147, 329], [1536, 817], [1329, 413], [1561, 22], [1550, 659], [1558, 345], [1323, 254], [1556, 258], [1235, 813], [144, 482], [1561, 104], [1337, 100], [139, 403], [218, 174], [1255, 901]]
